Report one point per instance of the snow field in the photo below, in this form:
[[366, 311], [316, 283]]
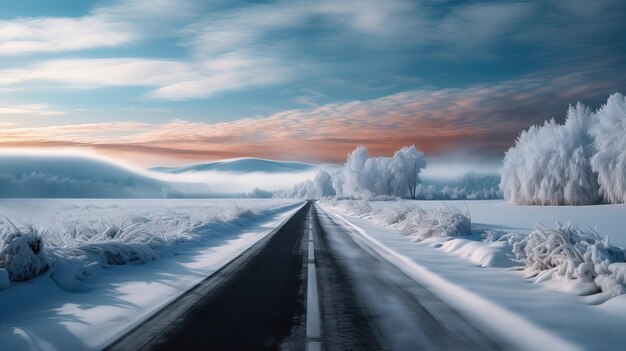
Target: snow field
[[68, 239], [580, 260], [525, 313], [38, 314]]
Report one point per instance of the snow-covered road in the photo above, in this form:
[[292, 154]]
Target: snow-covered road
[[272, 296], [366, 299]]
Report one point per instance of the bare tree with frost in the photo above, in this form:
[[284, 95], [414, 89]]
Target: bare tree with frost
[[408, 163]]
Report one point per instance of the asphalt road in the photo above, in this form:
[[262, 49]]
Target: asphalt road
[[259, 301]]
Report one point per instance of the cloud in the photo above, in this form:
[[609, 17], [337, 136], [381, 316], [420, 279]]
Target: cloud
[[31, 109], [120, 23], [36, 35], [484, 119], [224, 46], [170, 79]]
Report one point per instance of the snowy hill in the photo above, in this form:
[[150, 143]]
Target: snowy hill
[[242, 165], [74, 176], [243, 175]]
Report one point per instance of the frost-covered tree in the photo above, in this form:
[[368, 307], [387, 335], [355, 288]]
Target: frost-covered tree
[[305, 190], [609, 161], [355, 176], [337, 181], [366, 177], [550, 164], [408, 163], [324, 184]]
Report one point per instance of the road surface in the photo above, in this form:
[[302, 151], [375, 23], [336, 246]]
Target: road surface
[[313, 284]]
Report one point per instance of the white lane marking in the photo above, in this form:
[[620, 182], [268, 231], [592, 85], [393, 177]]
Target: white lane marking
[[313, 327], [314, 346], [311, 253]]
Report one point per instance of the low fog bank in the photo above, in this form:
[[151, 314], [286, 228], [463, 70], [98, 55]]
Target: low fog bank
[[52, 174], [58, 174]]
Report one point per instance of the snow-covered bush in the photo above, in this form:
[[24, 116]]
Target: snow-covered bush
[[22, 253], [416, 222], [570, 253], [550, 164], [609, 161], [426, 223]]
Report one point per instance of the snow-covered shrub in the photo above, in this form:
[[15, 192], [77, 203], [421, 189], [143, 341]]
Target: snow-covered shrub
[[609, 161], [550, 164], [568, 252], [117, 253], [414, 221], [436, 222], [22, 253]]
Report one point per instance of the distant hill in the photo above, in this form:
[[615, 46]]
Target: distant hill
[[243, 165], [71, 176]]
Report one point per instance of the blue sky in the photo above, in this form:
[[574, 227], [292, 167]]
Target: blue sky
[[306, 80]]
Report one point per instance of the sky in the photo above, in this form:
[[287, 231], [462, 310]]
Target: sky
[[169, 82]]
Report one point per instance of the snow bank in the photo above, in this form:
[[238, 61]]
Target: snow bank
[[485, 254], [444, 227], [69, 248], [572, 259]]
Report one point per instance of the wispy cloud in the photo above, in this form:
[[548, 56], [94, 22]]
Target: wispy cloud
[[32, 109], [120, 23], [242, 45]]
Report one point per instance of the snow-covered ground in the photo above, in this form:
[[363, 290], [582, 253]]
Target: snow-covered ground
[[532, 313], [95, 288]]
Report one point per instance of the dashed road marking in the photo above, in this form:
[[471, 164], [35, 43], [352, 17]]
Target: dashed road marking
[[313, 327]]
